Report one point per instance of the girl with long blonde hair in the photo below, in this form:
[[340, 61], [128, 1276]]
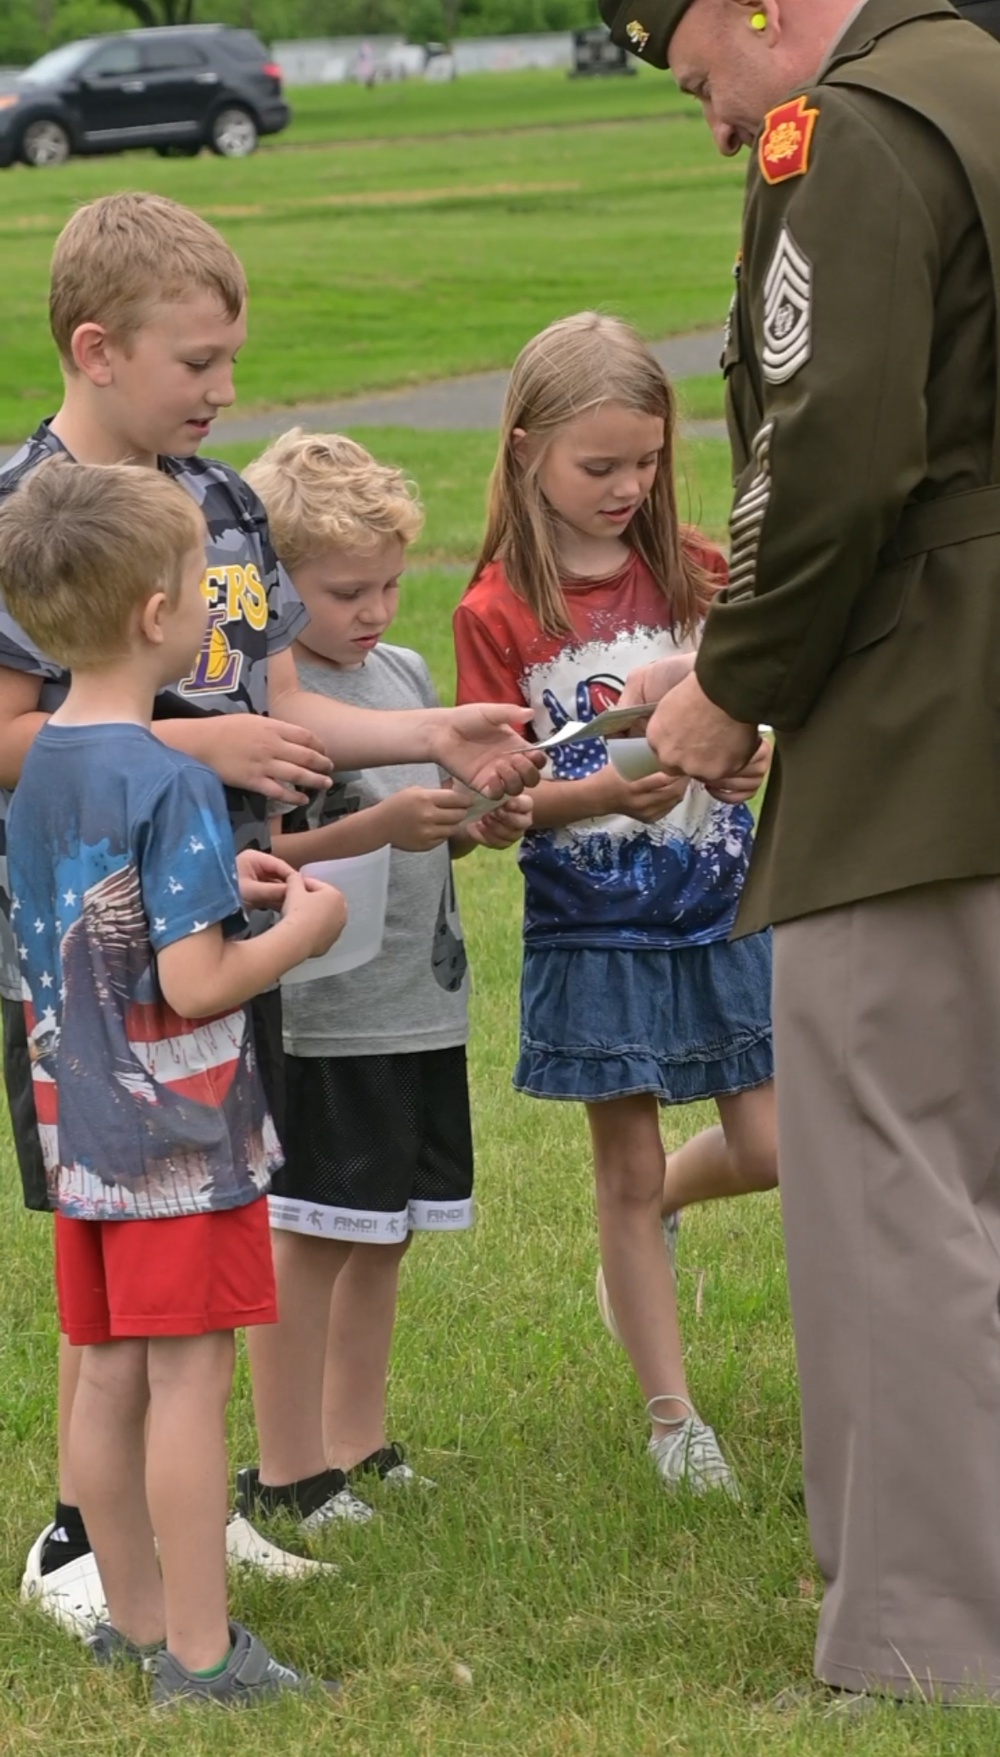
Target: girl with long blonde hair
[[632, 995]]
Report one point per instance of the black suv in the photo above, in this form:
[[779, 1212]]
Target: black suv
[[176, 89]]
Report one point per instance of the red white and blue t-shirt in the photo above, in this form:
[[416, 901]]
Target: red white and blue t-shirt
[[608, 881], [117, 848]]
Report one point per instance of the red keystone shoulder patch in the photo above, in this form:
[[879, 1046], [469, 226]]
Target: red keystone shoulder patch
[[784, 145]]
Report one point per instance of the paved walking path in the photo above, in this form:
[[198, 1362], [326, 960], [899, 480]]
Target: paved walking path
[[456, 403], [452, 403]]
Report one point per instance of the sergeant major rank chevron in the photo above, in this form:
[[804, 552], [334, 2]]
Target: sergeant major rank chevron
[[787, 310]]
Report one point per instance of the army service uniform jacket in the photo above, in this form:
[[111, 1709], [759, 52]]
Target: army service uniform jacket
[[863, 616]]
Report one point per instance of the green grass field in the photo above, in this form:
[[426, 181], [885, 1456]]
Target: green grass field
[[376, 262], [548, 1600]]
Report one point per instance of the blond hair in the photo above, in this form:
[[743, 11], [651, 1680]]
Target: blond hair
[[82, 546], [120, 256], [572, 368], [322, 491]]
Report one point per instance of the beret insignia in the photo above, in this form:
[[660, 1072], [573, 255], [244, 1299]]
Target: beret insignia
[[637, 35]]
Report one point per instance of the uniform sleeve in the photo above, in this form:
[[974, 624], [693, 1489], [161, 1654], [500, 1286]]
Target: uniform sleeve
[[840, 266], [485, 672], [187, 862]]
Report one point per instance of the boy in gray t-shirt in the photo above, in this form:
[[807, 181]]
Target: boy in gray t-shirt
[[378, 1138]]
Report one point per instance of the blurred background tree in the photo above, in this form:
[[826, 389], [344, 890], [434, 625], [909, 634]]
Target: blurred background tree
[[29, 27]]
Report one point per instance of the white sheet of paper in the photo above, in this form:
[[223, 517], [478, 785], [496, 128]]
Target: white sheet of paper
[[609, 721]]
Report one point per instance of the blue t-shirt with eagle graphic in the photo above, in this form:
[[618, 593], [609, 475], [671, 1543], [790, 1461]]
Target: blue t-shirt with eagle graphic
[[117, 848]]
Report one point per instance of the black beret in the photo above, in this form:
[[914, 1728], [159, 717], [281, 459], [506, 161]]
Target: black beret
[[644, 26]]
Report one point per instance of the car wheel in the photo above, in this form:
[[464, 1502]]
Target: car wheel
[[45, 143], [182, 150], [233, 133]]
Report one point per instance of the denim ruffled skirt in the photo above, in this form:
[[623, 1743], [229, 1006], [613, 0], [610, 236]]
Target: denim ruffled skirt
[[686, 1024]]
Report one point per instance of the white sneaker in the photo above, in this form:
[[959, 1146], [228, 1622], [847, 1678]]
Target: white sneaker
[[689, 1453], [671, 1224], [389, 1465], [246, 1548], [72, 1595], [404, 1476], [345, 1504], [326, 1498]]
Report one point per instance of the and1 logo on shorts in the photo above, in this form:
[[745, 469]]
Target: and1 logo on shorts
[[118, 848]]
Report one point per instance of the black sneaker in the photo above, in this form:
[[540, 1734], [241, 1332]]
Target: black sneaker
[[250, 1674], [389, 1465], [314, 1503]]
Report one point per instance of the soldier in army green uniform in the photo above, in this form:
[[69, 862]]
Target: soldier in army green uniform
[[863, 622]]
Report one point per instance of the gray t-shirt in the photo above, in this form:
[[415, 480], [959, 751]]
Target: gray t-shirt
[[414, 995]]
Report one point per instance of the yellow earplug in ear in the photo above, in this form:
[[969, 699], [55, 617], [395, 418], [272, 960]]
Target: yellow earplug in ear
[[758, 21]]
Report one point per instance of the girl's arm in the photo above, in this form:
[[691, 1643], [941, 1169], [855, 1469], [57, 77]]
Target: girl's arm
[[557, 804]]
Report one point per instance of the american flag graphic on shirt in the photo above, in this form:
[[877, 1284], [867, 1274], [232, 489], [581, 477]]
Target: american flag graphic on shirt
[[115, 856]]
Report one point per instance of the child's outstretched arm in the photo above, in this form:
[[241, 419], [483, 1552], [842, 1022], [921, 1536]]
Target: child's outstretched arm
[[415, 819], [206, 973], [477, 744], [245, 750], [498, 829]]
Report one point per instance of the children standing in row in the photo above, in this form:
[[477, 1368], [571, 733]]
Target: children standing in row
[[136, 971], [148, 312], [379, 1135], [632, 994]]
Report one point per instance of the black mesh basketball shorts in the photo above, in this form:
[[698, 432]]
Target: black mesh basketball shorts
[[376, 1146]]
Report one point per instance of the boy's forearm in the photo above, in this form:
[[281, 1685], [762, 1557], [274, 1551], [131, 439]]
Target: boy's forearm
[[198, 984], [16, 739], [195, 737], [361, 738], [361, 832]]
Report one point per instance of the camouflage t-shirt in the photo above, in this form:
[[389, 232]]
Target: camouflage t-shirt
[[254, 611]]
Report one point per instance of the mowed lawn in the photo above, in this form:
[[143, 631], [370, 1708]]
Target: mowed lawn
[[547, 1599], [376, 261]]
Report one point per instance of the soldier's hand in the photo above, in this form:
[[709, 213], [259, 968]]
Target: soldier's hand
[[651, 682], [691, 736], [736, 789]]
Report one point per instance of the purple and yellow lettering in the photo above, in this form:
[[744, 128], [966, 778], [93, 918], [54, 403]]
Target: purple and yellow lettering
[[217, 671]]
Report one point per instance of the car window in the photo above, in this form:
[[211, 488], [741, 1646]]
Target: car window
[[162, 54], [245, 46], [56, 65], [112, 61]]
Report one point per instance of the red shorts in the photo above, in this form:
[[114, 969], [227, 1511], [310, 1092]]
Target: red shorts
[[184, 1277]]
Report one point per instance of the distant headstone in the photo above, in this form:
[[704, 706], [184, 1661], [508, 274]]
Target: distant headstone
[[595, 53]]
